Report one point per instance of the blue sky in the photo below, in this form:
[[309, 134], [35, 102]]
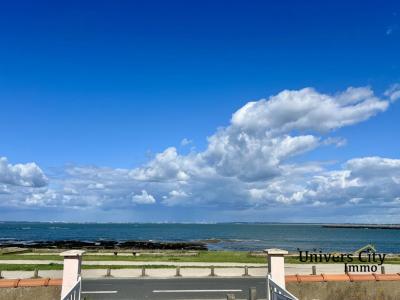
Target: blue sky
[[108, 85]]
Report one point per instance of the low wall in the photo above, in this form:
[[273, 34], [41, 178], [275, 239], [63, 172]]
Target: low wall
[[31, 293], [366, 290]]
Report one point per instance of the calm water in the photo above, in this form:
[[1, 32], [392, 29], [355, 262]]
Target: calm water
[[226, 236]]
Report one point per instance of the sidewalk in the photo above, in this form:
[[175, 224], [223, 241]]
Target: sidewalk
[[130, 263], [222, 271]]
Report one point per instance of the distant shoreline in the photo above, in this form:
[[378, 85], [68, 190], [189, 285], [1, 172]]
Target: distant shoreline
[[363, 226]]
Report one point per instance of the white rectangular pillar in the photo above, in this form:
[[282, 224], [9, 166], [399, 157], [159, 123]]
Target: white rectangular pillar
[[276, 265], [72, 270]]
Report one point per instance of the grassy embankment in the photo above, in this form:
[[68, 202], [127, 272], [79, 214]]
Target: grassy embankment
[[29, 267]]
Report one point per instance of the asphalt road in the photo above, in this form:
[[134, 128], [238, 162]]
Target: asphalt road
[[168, 289]]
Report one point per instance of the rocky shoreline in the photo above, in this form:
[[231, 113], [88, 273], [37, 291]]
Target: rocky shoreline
[[101, 245]]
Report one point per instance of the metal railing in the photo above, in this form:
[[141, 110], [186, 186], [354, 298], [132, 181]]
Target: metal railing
[[75, 292], [275, 292]]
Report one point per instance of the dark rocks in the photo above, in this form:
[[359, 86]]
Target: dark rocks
[[101, 245], [151, 245]]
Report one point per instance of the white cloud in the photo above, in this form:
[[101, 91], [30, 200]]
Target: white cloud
[[143, 198], [307, 109], [4, 189], [373, 167], [362, 180], [186, 142], [41, 199], [337, 141], [96, 186], [354, 95], [28, 174], [393, 92], [167, 165], [251, 163], [175, 197], [263, 135], [355, 200]]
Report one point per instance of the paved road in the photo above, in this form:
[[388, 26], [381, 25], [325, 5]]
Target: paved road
[[168, 289]]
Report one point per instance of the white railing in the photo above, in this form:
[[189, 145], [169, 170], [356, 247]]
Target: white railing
[[75, 292], [275, 292]]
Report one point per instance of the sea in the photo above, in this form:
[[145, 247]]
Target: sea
[[221, 236]]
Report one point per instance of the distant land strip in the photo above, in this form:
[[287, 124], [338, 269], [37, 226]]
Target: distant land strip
[[364, 226]]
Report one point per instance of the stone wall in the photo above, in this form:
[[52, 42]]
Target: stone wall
[[31, 293]]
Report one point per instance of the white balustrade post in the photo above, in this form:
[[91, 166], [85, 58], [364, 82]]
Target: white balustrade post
[[72, 269], [276, 265]]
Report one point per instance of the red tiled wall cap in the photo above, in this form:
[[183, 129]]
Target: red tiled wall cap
[[13, 283], [10, 283], [34, 282], [336, 277], [310, 278], [291, 278], [362, 277], [55, 282], [387, 277], [342, 277]]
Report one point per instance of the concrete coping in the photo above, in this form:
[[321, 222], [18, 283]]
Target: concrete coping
[[275, 251], [72, 253]]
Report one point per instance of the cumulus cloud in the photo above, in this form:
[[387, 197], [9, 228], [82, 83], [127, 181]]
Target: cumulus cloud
[[306, 109], [167, 165], [175, 197], [264, 134], [42, 199], [250, 163], [261, 135], [143, 198], [368, 179], [28, 174]]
